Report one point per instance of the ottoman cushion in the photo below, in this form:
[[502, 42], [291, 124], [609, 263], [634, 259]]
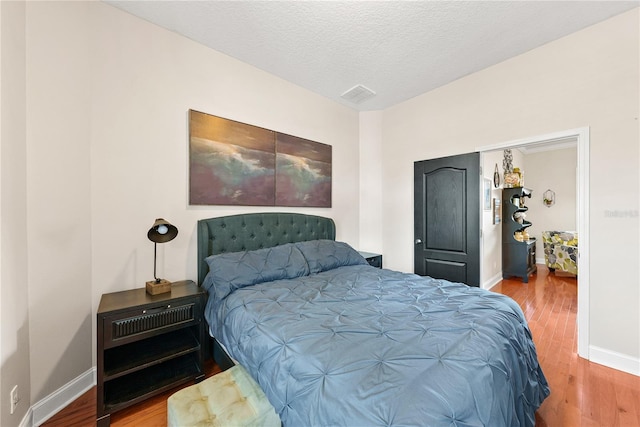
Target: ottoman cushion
[[230, 398]]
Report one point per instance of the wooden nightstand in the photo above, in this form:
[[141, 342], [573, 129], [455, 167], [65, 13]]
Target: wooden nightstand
[[374, 260], [147, 344]]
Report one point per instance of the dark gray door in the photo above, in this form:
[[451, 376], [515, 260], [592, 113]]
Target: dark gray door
[[447, 218]]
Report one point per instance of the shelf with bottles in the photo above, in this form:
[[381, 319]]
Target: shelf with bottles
[[518, 247], [522, 236], [517, 197], [519, 217], [515, 212]]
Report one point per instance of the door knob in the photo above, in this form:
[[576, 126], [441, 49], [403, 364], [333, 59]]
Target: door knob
[[418, 241]]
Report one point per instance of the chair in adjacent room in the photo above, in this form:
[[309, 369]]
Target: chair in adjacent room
[[561, 251]]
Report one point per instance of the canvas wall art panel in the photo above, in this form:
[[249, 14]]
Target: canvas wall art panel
[[233, 163], [303, 172]]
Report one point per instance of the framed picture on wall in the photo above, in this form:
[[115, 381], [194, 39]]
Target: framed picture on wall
[[234, 163], [487, 194], [496, 210]]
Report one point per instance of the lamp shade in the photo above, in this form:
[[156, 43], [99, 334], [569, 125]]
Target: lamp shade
[[162, 231]]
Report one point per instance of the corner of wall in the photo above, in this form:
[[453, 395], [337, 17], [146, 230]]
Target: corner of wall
[[15, 349], [370, 161]]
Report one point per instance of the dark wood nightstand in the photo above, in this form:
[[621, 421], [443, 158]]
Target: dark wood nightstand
[[147, 344], [374, 260]]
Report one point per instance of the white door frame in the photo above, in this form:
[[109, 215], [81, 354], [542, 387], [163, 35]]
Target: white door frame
[[581, 135]]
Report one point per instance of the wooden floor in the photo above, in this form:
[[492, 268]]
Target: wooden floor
[[150, 413], [582, 393]]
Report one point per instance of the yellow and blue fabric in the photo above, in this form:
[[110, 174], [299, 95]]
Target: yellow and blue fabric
[[561, 250]]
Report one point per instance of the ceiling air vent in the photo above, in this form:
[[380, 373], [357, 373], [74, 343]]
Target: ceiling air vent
[[358, 94]]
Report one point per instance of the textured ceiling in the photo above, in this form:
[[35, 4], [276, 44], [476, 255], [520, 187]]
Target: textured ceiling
[[398, 49]]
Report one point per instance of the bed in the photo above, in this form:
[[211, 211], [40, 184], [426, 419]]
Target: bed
[[334, 341]]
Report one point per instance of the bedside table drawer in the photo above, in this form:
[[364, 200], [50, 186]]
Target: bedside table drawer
[[148, 321], [374, 260]]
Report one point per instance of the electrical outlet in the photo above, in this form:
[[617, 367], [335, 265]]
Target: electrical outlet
[[14, 398]]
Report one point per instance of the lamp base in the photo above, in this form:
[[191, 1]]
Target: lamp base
[[155, 288]]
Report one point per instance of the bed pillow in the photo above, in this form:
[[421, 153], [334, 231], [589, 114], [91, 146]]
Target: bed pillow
[[323, 255], [234, 270]]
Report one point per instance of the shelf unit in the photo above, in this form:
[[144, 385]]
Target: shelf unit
[[147, 344], [518, 257]]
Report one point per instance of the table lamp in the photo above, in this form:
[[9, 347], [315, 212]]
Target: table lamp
[[161, 232]]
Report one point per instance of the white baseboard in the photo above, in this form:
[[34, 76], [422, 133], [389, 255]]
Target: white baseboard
[[27, 421], [615, 360], [49, 406], [492, 281]]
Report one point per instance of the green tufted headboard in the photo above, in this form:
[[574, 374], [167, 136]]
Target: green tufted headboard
[[244, 232]]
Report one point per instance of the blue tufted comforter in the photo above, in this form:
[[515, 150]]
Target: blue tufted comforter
[[361, 346]]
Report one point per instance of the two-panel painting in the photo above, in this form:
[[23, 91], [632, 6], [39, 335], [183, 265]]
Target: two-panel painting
[[233, 163]]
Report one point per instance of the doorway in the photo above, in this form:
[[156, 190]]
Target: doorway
[[581, 138]]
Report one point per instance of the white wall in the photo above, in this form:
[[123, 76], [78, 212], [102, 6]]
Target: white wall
[[140, 102], [371, 182], [107, 127], [14, 312], [58, 193], [491, 233], [555, 170], [589, 78]]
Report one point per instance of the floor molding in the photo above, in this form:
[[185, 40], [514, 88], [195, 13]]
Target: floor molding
[[49, 406], [27, 421], [612, 359], [488, 284]]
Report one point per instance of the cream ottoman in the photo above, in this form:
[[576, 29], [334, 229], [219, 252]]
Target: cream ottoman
[[230, 399]]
